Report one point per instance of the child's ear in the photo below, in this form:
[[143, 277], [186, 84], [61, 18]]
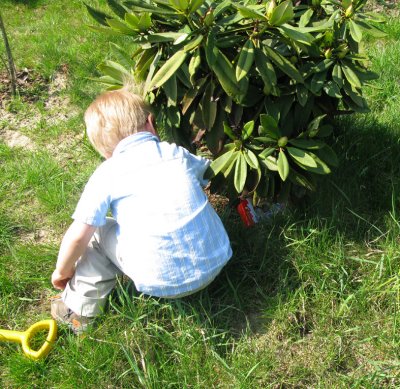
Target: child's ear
[[150, 127]]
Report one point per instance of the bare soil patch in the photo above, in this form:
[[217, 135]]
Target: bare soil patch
[[16, 139], [30, 84], [388, 7], [32, 87]]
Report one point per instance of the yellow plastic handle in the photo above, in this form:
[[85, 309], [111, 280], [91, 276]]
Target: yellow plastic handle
[[25, 338]]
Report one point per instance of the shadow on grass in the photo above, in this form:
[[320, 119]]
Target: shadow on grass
[[27, 3], [236, 300], [367, 181], [352, 205]]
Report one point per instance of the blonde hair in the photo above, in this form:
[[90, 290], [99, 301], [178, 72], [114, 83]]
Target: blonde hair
[[113, 116]]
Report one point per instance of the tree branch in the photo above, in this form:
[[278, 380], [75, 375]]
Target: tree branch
[[11, 66]]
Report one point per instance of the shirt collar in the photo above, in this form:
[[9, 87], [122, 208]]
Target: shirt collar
[[134, 140]]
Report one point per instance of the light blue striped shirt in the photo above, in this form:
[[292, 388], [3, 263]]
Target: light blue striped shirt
[[170, 239]]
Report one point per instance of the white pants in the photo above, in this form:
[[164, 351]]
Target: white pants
[[96, 273]]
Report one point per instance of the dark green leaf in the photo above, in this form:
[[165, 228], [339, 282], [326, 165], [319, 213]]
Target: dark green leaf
[[145, 21], [132, 20], [264, 139], [302, 94], [225, 73], [327, 155], [194, 43], [365, 75], [115, 71], [247, 129], [270, 163], [121, 55], [332, 90], [97, 15], [228, 131], [283, 165], [296, 35], [191, 94], [227, 171], [229, 41], [194, 65], [269, 126], [351, 76], [168, 69], [265, 69], [117, 8], [104, 30], [141, 6], [314, 125], [240, 173], [144, 62], [355, 95], [371, 29], [171, 90], [267, 152], [317, 82], [183, 75], [306, 17], [108, 80], [282, 13], [318, 167], [209, 106], [319, 27], [301, 156], [173, 116], [211, 49], [221, 163], [162, 37], [152, 68], [251, 159], [355, 31], [121, 27], [299, 179], [194, 5], [250, 12], [221, 7], [337, 75], [181, 5], [283, 64], [323, 65], [246, 59], [324, 131], [309, 144], [226, 103]]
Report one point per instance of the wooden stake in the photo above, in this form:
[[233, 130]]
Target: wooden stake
[[11, 66]]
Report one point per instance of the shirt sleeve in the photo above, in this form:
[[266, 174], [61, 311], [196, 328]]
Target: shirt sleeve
[[95, 200], [199, 165]]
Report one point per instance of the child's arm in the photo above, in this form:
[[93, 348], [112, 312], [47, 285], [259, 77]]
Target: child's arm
[[73, 245], [200, 166]]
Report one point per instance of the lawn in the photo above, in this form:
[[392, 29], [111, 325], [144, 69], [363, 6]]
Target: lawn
[[310, 299]]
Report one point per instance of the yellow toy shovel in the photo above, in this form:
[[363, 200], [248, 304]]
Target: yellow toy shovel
[[25, 338]]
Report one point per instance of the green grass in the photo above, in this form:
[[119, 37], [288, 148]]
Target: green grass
[[310, 299]]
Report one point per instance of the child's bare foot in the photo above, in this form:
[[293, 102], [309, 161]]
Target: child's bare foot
[[61, 313]]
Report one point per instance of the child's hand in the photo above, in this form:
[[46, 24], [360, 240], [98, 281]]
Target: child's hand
[[60, 280]]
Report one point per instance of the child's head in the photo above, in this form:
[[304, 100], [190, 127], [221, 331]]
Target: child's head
[[113, 116]]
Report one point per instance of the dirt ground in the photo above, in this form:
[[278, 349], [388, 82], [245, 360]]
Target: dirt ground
[[32, 87]]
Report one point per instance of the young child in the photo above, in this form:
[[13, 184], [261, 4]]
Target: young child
[[164, 233]]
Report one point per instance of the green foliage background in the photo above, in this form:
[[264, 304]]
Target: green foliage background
[[258, 82]]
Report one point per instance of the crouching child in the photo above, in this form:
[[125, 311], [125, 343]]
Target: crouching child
[[163, 234]]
